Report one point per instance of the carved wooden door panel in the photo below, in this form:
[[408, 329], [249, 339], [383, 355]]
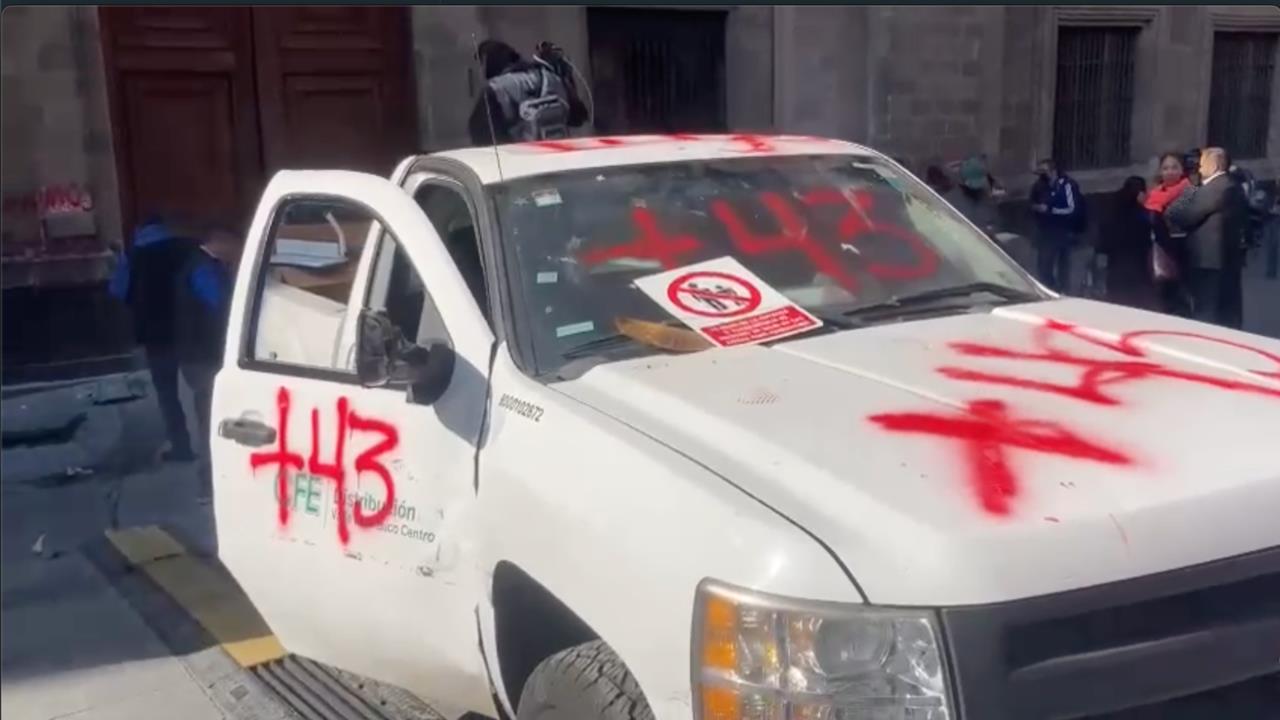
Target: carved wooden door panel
[[334, 87], [184, 114]]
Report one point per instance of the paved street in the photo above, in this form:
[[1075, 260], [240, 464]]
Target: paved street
[[76, 640], [114, 606], [98, 628]]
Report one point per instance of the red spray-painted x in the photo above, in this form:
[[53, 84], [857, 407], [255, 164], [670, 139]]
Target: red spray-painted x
[[986, 430]]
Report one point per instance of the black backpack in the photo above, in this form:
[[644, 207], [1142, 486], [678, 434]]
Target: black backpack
[[545, 117]]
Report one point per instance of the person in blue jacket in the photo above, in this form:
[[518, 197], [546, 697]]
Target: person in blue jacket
[[1060, 217], [177, 285]]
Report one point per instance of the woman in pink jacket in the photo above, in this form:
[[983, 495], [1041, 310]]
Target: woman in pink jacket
[[1171, 184]]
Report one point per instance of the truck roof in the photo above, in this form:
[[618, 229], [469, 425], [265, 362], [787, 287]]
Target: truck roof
[[552, 156]]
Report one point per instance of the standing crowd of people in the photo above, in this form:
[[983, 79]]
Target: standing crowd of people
[[1179, 245], [1174, 245]]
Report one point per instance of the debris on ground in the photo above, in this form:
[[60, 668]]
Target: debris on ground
[[40, 550]]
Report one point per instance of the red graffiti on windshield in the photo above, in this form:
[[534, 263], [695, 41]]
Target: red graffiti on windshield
[[856, 222], [651, 242], [986, 431], [792, 235], [790, 232], [347, 423]]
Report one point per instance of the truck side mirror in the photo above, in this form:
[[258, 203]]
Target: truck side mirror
[[384, 358]]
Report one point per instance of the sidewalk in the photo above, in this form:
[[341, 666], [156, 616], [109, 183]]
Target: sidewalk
[[114, 604], [74, 642]]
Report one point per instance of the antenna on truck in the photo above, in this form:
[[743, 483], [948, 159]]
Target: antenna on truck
[[488, 111]]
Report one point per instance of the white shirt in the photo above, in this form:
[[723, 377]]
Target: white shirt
[[1212, 177]]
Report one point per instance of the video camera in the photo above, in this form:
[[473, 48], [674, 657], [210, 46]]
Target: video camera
[[553, 56]]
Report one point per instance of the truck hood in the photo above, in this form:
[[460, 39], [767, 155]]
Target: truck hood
[[988, 456]]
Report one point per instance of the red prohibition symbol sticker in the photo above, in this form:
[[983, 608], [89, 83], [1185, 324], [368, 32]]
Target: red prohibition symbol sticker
[[712, 294]]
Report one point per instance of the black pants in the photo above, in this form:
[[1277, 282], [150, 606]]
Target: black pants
[[1053, 258], [1217, 296], [165, 365]]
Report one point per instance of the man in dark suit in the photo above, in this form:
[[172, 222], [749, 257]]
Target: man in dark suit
[[1215, 217]]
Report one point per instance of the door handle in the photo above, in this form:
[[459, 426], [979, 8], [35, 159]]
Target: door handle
[[247, 432]]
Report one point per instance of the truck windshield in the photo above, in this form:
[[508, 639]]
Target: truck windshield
[[831, 232]]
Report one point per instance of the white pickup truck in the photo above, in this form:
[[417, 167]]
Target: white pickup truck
[[732, 428]]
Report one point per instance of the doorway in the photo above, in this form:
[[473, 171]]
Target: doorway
[[208, 102], [657, 70]]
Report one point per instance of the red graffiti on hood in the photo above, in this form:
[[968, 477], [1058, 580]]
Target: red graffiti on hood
[[348, 422], [1098, 374], [986, 429]]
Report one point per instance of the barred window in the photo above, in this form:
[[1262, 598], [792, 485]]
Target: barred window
[[1093, 111], [1240, 99]]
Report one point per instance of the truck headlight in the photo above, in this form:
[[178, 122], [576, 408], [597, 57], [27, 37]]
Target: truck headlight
[[763, 657]]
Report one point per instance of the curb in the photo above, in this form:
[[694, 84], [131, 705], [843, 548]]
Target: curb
[[204, 591], [236, 691]]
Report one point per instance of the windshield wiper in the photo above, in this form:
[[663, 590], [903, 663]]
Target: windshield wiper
[[591, 347], [830, 322], [1004, 292]]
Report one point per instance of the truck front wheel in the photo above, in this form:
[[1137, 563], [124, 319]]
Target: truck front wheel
[[585, 682]]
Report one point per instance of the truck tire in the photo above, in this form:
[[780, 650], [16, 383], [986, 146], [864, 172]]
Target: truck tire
[[585, 682]]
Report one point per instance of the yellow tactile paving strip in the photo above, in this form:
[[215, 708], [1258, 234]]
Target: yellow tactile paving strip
[[205, 592]]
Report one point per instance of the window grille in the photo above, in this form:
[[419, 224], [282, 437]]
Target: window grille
[[1093, 110], [1240, 95]]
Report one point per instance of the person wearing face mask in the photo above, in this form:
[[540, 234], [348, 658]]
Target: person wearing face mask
[[1215, 217], [1060, 217]]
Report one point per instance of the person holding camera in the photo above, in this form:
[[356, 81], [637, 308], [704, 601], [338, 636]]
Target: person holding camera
[[525, 100]]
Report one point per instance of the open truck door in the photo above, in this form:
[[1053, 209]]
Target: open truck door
[[344, 457]]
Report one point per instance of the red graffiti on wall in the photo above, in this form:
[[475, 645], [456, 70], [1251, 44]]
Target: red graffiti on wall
[[1127, 363], [741, 142], [793, 234], [986, 429], [348, 422], [50, 199]]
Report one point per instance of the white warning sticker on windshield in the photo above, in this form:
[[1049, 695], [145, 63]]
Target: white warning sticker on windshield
[[726, 303]]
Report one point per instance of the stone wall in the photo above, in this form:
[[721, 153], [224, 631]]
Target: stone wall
[[927, 96], [55, 134], [56, 142]]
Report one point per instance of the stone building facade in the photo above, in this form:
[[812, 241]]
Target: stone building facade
[[924, 84]]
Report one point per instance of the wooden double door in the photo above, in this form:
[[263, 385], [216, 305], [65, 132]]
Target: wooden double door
[[208, 102]]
